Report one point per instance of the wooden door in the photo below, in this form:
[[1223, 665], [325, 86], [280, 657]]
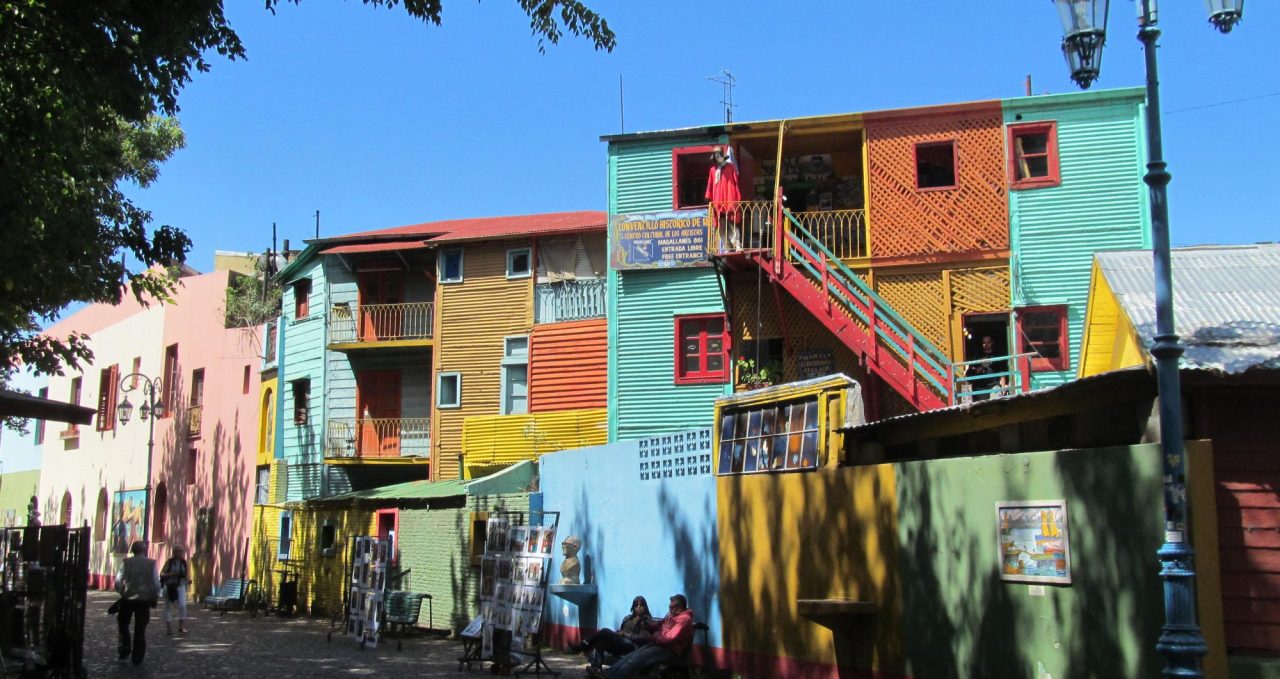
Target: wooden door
[[378, 289], [378, 413]]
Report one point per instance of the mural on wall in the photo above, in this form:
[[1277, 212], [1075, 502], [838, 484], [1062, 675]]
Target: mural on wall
[[1034, 545], [128, 511]]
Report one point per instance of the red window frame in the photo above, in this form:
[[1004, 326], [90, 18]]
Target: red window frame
[[301, 298], [1054, 177], [676, 155], [1038, 363], [703, 375], [955, 163]]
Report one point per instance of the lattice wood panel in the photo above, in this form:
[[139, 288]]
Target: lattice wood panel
[[921, 299], [973, 216], [980, 289]]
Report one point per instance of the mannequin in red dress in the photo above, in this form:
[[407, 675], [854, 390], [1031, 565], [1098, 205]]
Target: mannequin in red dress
[[722, 192]]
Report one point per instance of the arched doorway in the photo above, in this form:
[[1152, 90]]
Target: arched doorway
[[160, 514], [100, 518], [66, 509]]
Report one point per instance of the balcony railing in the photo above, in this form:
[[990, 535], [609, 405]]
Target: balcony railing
[[378, 437], [195, 416], [748, 225], [569, 300], [380, 322]]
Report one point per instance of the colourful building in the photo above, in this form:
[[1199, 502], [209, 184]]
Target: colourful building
[[201, 478]]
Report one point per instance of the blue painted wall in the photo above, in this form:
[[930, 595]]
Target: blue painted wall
[[653, 537], [302, 356], [1100, 205]]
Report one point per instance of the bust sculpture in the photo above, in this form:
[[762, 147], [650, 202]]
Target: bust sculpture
[[571, 569]]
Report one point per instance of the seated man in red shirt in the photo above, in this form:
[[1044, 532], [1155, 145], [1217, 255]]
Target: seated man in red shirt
[[672, 637]]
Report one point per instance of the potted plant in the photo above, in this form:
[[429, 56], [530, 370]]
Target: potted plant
[[753, 375]]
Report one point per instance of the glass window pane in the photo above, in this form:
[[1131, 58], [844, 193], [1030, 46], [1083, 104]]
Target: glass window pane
[[726, 426], [739, 447], [715, 363], [725, 464], [692, 364], [809, 454], [768, 420], [778, 452], [811, 415], [1037, 142], [741, 427], [753, 425], [715, 345], [1037, 166], [752, 459]]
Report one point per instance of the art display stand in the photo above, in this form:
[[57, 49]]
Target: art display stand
[[365, 601], [513, 589]]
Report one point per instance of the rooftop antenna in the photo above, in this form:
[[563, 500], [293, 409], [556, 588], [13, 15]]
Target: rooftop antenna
[[727, 82], [317, 224], [622, 109]]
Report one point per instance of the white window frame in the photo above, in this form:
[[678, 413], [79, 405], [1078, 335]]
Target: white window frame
[[510, 360], [440, 377], [461, 265], [528, 258], [284, 547]]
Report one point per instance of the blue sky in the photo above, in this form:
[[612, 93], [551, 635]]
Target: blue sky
[[376, 119]]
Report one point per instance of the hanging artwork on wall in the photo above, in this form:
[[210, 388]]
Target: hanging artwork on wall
[[1034, 541], [128, 511]]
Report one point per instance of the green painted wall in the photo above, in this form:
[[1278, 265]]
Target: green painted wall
[[1100, 205], [961, 619], [16, 491], [435, 543]]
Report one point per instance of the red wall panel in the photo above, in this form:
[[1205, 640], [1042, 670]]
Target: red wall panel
[[569, 366]]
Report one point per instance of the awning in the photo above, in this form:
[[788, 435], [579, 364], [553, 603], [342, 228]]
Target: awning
[[373, 247], [17, 404]]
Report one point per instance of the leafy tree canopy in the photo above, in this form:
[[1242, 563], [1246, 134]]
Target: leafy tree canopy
[[84, 88]]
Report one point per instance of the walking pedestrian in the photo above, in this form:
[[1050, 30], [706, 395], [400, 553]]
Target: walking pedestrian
[[139, 586], [176, 578]]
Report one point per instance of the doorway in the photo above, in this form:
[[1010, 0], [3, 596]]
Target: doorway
[[978, 326]]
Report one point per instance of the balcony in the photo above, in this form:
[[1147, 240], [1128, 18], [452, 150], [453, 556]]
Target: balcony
[[569, 301], [749, 225], [381, 438], [406, 324], [195, 417]]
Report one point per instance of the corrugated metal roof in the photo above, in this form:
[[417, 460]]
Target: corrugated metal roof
[[1226, 302], [489, 227], [513, 479], [373, 247]]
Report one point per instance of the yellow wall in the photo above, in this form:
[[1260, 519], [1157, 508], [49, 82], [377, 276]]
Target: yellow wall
[[266, 421], [499, 440], [827, 534], [1109, 342], [473, 318]]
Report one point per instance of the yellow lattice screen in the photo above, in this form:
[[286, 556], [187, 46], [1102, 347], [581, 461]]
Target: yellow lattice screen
[[921, 299], [980, 289], [907, 221]]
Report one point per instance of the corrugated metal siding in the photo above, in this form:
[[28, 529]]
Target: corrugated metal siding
[[1100, 205], [489, 440], [305, 481], [569, 366], [645, 400], [303, 357], [640, 175], [475, 316]]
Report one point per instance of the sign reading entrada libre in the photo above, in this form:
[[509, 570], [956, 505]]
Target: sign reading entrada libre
[[659, 240]]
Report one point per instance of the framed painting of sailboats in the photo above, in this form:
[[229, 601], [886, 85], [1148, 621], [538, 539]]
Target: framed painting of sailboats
[[1034, 541]]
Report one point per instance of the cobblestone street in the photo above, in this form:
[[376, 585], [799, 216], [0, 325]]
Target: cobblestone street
[[235, 645]]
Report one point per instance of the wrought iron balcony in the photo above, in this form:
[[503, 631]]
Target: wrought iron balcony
[[569, 300], [750, 225], [380, 322], [378, 437]]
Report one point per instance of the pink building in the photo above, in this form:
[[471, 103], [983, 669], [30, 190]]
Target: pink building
[[202, 466]]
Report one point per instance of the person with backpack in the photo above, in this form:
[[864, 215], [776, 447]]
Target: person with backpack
[[139, 587], [175, 578]]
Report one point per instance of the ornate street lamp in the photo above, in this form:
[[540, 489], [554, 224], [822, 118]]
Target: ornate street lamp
[[1180, 638], [152, 388]]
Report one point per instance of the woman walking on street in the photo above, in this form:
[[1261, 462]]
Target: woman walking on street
[[176, 579]]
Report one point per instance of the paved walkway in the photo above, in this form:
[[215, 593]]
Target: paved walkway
[[235, 645]]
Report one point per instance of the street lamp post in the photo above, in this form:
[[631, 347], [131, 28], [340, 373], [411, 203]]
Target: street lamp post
[[152, 409], [1084, 32]]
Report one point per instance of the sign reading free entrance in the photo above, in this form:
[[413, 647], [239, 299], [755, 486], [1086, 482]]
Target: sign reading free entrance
[[659, 240]]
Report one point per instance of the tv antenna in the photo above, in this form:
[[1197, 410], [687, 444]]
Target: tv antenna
[[727, 82]]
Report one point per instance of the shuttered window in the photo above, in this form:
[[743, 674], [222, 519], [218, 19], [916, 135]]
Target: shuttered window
[[107, 394]]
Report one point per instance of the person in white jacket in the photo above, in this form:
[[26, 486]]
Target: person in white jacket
[[139, 588]]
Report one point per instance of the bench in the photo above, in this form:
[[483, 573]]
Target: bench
[[403, 609], [682, 667], [228, 597]]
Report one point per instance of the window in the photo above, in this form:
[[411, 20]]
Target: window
[[449, 390], [137, 370], [197, 387], [479, 535], [301, 299], [73, 398], [769, 438], [160, 514], [204, 530], [518, 262], [193, 465], [43, 393], [301, 400], [244, 388], [515, 375], [262, 493], [1042, 331], [170, 396], [702, 349], [328, 538], [451, 265], [1033, 155], [690, 167], [100, 518], [936, 165], [286, 536], [106, 420]]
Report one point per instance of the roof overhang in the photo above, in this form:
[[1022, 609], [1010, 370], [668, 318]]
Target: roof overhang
[[18, 404]]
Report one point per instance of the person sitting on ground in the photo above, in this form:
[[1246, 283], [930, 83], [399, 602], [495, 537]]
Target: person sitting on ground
[[632, 634], [673, 635]]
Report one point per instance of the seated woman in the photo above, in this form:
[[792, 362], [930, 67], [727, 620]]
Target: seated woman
[[632, 634]]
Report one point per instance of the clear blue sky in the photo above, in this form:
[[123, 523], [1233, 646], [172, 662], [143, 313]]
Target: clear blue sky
[[376, 119]]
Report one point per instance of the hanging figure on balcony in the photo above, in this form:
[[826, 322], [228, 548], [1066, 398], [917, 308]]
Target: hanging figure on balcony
[[723, 195]]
